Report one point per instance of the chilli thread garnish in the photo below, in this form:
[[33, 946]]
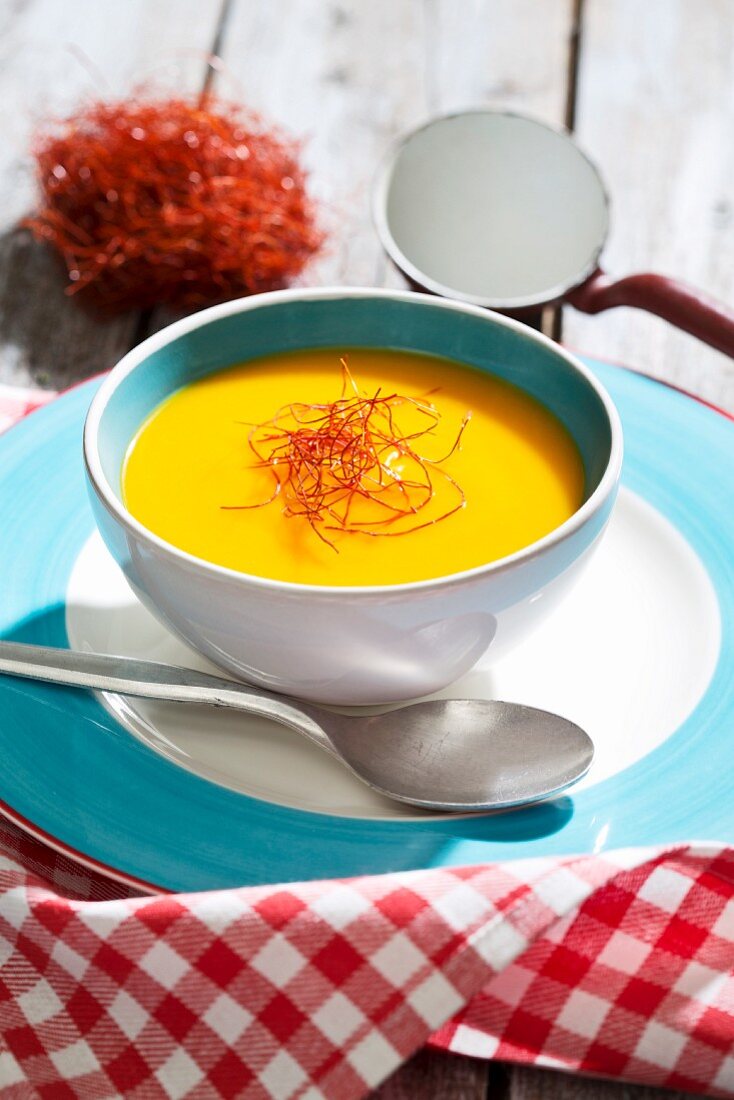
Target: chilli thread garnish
[[327, 459]]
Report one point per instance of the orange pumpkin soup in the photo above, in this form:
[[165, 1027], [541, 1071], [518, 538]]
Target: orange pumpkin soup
[[402, 468]]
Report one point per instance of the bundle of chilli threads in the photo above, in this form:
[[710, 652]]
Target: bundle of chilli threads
[[179, 201]]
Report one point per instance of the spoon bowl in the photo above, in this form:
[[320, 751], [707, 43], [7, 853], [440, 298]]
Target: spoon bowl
[[457, 755], [464, 754]]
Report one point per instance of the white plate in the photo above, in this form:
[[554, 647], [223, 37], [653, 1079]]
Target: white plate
[[630, 685]]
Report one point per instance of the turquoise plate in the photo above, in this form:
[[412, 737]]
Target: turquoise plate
[[73, 776]]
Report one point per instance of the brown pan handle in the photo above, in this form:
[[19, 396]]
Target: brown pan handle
[[682, 305]]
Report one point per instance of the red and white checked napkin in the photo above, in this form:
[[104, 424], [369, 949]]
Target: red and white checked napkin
[[15, 403], [619, 964]]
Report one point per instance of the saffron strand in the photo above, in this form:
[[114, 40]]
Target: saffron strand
[[326, 457]]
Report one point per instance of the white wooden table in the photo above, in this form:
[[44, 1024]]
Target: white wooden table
[[646, 86]]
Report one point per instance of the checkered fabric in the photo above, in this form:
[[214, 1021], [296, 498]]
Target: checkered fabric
[[618, 964], [16, 403], [636, 983]]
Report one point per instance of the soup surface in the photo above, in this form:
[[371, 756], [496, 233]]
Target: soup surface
[[192, 477]]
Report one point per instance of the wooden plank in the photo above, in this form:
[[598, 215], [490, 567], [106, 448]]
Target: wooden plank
[[510, 54], [46, 338], [344, 78], [533, 1084], [655, 109], [432, 1073]]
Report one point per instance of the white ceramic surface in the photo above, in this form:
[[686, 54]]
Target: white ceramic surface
[[630, 685], [350, 645], [493, 208]]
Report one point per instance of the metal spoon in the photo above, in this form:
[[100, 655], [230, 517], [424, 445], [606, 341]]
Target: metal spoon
[[445, 754]]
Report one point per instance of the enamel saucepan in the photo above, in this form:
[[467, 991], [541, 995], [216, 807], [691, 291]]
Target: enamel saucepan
[[505, 212]]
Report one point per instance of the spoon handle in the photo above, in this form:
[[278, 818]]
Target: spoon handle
[[151, 680]]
